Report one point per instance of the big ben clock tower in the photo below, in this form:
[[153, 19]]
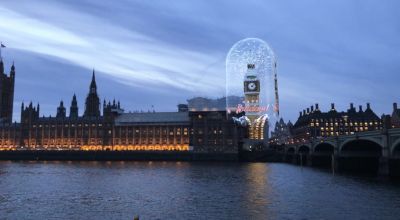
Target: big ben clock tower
[[252, 99], [251, 92]]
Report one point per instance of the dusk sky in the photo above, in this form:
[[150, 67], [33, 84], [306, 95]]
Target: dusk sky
[[162, 53]]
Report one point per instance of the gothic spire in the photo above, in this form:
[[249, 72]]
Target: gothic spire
[[74, 102], [73, 110], [61, 110], [92, 104], [93, 86]]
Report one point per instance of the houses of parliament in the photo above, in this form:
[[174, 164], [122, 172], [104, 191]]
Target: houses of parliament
[[111, 128]]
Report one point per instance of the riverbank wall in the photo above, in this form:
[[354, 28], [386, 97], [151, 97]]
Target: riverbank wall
[[116, 155]]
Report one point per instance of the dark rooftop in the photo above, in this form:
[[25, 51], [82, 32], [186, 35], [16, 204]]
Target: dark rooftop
[[152, 117]]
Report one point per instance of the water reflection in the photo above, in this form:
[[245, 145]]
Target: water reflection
[[257, 190], [180, 190]]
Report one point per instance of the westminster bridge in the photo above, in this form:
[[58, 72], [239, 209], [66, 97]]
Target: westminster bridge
[[370, 151]]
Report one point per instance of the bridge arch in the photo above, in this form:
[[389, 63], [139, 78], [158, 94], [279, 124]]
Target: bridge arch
[[289, 156], [396, 149], [359, 140], [304, 149], [360, 155], [290, 150], [363, 145], [322, 154], [324, 147]]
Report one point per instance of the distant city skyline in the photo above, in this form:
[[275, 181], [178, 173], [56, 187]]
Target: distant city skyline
[[163, 53]]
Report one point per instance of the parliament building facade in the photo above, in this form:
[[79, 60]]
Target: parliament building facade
[[313, 123], [184, 130]]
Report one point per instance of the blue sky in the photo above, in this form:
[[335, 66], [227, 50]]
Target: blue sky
[[163, 52]]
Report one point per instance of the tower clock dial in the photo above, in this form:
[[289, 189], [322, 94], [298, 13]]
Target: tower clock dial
[[252, 86]]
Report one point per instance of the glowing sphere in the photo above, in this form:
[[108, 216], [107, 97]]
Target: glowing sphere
[[251, 80]]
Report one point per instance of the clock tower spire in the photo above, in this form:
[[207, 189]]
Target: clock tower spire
[[251, 92], [252, 98], [92, 104]]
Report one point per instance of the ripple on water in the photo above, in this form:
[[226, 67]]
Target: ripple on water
[[170, 190]]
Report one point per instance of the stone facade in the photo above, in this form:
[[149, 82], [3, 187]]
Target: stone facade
[[395, 118], [315, 124], [7, 84], [282, 133], [208, 131], [213, 131]]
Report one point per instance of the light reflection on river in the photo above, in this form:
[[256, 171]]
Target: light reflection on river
[[181, 190]]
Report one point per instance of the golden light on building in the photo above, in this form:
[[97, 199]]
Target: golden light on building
[[183, 147], [333, 123]]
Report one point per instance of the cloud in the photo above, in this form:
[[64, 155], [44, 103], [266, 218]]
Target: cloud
[[327, 51], [141, 60]]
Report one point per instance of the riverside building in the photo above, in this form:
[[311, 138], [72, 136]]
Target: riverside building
[[312, 123], [112, 129]]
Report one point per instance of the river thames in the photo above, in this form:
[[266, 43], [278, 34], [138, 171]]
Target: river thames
[[181, 190]]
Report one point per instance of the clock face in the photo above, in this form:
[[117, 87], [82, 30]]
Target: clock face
[[252, 86]]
